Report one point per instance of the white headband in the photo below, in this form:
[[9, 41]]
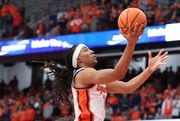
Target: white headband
[[76, 54]]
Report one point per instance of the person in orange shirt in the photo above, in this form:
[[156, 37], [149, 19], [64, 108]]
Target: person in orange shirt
[[135, 115], [22, 115], [113, 101], [5, 10], [167, 107], [12, 9], [65, 110], [30, 113], [75, 24], [70, 13], [2, 110], [15, 116], [117, 117]]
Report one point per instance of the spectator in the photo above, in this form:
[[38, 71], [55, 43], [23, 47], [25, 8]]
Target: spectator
[[27, 32], [158, 114], [93, 24], [117, 117], [48, 110], [167, 107], [109, 112], [14, 83], [75, 24], [62, 21], [135, 114], [136, 99], [84, 26], [41, 29], [124, 104], [113, 101], [176, 107], [30, 113], [17, 22]]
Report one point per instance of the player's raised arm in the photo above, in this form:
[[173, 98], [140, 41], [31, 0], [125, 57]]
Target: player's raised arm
[[131, 22], [133, 84]]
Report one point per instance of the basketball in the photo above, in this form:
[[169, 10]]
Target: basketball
[[131, 16]]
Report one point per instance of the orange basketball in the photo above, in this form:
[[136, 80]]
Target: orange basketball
[[131, 16]]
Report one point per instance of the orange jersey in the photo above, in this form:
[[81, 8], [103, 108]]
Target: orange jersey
[[89, 103]]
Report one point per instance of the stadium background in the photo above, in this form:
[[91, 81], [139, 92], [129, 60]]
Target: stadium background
[[25, 89]]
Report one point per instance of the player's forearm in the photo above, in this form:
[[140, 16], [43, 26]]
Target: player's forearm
[[137, 81], [122, 66]]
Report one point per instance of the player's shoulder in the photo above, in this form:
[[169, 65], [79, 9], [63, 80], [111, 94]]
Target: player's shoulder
[[85, 71], [84, 77]]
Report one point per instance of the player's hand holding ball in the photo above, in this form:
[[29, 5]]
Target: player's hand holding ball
[[132, 22]]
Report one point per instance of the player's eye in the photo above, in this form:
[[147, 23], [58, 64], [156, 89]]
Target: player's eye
[[86, 49]]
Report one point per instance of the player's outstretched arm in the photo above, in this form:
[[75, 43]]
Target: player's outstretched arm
[[128, 87]]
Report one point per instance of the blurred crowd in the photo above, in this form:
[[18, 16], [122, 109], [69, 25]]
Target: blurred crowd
[[99, 15], [158, 98], [88, 16], [11, 19]]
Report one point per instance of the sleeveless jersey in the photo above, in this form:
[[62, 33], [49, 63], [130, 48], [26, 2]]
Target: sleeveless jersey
[[89, 103]]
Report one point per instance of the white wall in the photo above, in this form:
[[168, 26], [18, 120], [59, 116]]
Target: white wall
[[173, 60], [21, 70]]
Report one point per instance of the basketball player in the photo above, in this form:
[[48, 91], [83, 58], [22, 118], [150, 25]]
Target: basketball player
[[90, 86]]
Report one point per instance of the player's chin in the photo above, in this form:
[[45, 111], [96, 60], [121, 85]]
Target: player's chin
[[95, 62]]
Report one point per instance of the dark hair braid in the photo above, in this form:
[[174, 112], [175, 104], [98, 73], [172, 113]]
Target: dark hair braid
[[63, 76]]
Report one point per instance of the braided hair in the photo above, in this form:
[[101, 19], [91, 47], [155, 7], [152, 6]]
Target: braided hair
[[63, 75]]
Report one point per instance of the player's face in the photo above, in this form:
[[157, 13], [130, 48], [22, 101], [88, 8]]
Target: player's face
[[87, 57]]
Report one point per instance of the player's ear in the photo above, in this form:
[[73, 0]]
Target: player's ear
[[79, 60]]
